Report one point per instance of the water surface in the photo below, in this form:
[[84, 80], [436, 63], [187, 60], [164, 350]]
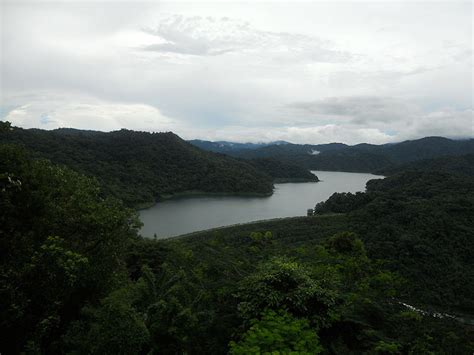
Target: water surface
[[189, 214]]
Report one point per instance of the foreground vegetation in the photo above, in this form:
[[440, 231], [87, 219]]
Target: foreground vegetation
[[76, 277]]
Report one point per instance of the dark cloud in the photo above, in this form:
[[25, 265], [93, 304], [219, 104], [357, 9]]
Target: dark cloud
[[362, 110]]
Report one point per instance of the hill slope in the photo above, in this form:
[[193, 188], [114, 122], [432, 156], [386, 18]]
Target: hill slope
[[76, 278], [282, 171], [226, 147], [460, 165], [361, 157], [139, 167]]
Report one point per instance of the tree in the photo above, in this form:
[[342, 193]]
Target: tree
[[113, 327], [278, 332], [288, 285], [61, 246]]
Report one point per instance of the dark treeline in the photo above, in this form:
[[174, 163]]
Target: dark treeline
[[139, 167], [357, 158], [76, 277], [421, 224], [459, 165], [282, 172], [228, 147]]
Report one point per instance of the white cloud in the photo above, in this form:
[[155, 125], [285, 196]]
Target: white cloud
[[305, 72], [50, 112], [210, 36]]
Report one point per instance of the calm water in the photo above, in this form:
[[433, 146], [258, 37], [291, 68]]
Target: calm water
[[184, 215]]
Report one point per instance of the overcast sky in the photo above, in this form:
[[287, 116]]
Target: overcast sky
[[259, 71]]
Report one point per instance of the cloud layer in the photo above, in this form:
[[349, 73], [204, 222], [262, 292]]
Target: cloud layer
[[306, 72]]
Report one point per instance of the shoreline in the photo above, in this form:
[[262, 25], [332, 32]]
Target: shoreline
[[198, 193], [293, 180]]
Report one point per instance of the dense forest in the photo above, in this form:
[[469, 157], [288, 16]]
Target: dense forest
[[459, 165], [228, 147], [140, 167], [77, 278], [282, 172], [421, 224], [356, 158]]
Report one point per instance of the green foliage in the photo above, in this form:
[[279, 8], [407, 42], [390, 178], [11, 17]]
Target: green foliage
[[261, 238], [278, 333], [140, 167], [460, 165], [283, 171], [303, 252], [420, 224], [75, 278], [54, 263], [363, 157], [285, 284], [346, 243], [342, 202], [61, 246], [113, 327], [5, 126], [387, 348]]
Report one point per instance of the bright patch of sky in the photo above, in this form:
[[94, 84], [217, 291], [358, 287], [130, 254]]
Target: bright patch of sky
[[305, 72]]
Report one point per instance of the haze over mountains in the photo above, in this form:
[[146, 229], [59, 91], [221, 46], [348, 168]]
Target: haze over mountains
[[356, 158], [229, 147]]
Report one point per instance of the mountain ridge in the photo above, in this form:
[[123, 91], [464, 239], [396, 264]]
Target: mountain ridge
[[139, 167]]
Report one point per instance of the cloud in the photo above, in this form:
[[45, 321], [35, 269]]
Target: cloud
[[49, 111], [360, 110], [447, 123], [210, 36], [385, 114], [312, 72]]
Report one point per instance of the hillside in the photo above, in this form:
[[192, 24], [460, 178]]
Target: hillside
[[226, 147], [417, 231], [361, 157], [282, 172], [335, 283], [139, 167], [421, 223], [461, 165]]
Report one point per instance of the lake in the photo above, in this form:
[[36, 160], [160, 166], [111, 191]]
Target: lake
[[189, 214]]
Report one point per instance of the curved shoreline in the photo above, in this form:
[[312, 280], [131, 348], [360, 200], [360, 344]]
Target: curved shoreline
[[246, 224], [198, 193]]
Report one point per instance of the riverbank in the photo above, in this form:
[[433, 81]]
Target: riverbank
[[198, 193], [294, 180], [271, 223], [194, 210]]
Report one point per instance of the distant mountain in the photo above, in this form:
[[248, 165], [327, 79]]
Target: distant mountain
[[229, 147], [139, 167], [459, 165], [361, 157], [426, 148]]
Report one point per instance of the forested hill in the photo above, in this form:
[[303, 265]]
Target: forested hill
[[282, 172], [139, 167], [361, 157], [459, 165], [226, 147], [420, 222], [77, 279]]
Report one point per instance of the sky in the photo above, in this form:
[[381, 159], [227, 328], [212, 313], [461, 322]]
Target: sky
[[305, 72]]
